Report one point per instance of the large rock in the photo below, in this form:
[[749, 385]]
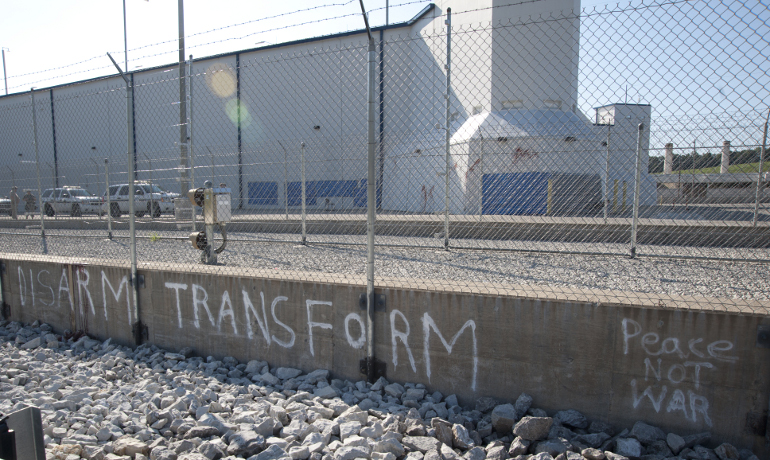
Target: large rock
[[34, 343], [271, 453], [503, 418], [244, 443], [518, 447], [553, 446], [443, 431], [326, 392], [286, 373], [461, 439], [647, 434], [571, 418], [350, 453], [523, 403], [593, 454], [628, 447], [127, 445], [485, 404], [389, 445], [533, 428], [477, 453], [675, 443], [697, 439], [497, 453], [201, 432], [727, 451], [421, 443]]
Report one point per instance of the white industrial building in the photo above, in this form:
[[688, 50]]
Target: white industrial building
[[518, 143]]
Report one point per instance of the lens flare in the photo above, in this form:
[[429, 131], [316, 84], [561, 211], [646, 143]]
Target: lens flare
[[221, 80], [231, 109]]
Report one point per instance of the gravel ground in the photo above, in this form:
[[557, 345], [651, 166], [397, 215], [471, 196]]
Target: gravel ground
[[345, 255], [102, 401]]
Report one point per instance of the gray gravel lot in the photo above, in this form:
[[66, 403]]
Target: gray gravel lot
[[346, 255]]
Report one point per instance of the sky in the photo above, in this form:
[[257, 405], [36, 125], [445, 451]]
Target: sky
[[69, 39], [59, 41]]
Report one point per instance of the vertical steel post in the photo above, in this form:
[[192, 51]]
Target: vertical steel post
[[37, 166], [371, 206], [132, 206], [758, 195], [637, 187], [607, 175], [481, 175], [304, 197], [109, 207], [183, 155], [190, 123], [448, 68], [285, 179]]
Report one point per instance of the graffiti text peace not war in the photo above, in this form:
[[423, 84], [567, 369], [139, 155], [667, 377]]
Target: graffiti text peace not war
[[691, 359]]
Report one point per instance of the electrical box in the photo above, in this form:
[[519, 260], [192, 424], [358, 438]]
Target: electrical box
[[216, 205]]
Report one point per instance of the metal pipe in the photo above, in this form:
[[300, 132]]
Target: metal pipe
[[758, 196], [37, 168], [448, 23], [607, 176], [190, 130], [109, 207], [637, 187], [304, 197]]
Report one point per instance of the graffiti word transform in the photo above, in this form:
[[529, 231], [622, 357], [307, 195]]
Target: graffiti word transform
[[234, 315]]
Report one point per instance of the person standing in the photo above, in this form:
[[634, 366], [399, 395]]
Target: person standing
[[29, 207], [14, 203]]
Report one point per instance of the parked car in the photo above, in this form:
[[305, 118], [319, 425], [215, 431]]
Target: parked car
[[5, 205], [71, 200], [150, 199]]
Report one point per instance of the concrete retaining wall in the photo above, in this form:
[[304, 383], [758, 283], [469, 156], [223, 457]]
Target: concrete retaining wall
[[674, 362]]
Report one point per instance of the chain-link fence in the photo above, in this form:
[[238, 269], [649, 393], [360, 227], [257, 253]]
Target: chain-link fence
[[601, 149]]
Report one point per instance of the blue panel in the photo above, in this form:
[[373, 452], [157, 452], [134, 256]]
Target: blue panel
[[515, 193], [360, 195], [263, 193], [327, 189]]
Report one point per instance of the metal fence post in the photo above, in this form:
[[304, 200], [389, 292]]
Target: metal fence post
[[481, 175], [607, 175], [37, 166], [371, 205], [132, 206], [190, 137], [109, 204], [758, 195], [448, 67], [304, 197], [637, 187]]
